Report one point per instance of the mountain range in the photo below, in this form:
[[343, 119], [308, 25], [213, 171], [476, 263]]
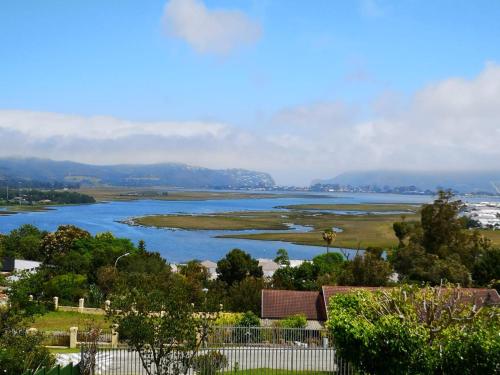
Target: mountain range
[[137, 175], [462, 181]]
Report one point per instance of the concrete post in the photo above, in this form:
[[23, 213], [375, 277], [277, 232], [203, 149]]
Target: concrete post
[[56, 303], [73, 335], [114, 336], [30, 297], [107, 305], [325, 342], [81, 304]]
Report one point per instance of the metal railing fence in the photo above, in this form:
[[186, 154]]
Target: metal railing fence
[[238, 351]]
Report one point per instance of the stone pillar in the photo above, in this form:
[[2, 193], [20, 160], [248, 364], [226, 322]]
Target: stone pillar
[[81, 304], [56, 303], [73, 335], [107, 305], [30, 297], [114, 336]]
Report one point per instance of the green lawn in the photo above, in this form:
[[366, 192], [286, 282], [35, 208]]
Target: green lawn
[[63, 320]]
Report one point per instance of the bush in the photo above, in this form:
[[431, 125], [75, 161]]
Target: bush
[[228, 319], [210, 363], [249, 319], [68, 287], [20, 352], [416, 331], [294, 321]]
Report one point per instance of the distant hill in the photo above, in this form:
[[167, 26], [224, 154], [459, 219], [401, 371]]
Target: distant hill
[[165, 174], [463, 182]]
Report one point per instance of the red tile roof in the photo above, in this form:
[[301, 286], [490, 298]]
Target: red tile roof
[[277, 304]]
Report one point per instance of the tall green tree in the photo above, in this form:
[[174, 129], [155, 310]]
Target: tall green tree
[[236, 266]]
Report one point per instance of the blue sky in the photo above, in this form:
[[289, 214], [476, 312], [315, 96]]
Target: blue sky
[[264, 71]]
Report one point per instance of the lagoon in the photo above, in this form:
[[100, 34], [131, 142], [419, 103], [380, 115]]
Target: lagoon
[[182, 245]]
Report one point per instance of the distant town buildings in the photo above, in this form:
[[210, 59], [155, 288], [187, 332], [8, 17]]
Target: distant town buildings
[[486, 214]]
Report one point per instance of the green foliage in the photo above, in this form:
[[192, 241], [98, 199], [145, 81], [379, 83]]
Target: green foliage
[[439, 247], [294, 321], [228, 319], [236, 266], [329, 263], [368, 270], [245, 295], [60, 242], [487, 267], [210, 363], [415, 331], [156, 319], [282, 257], [68, 287], [23, 243], [249, 319], [20, 351]]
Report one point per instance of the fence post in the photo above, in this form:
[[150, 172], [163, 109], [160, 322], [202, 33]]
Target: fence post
[[114, 336], [56, 303], [81, 305], [73, 335], [107, 305]]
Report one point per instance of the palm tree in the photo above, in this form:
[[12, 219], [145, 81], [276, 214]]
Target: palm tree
[[329, 236]]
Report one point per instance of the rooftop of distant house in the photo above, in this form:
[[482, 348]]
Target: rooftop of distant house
[[279, 304]]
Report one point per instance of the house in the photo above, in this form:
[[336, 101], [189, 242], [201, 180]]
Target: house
[[279, 304], [211, 268], [269, 266], [10, 265]]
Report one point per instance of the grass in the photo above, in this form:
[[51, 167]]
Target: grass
[[358, 231], [226, 221], [14, 209], [127, 194], [378, 207], [63, 320], [64, 350]]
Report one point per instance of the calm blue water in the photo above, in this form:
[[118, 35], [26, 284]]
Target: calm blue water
[[182, 245]]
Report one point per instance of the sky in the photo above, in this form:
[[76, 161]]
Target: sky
[[300, 89]]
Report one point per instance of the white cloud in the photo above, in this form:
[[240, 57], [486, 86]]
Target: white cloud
[[209, 31], [453, 124]]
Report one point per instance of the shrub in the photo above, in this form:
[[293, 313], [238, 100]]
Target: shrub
[[209, 363], [294, 321], [228, 319], [416, 331], [249, 319], [68, 287]]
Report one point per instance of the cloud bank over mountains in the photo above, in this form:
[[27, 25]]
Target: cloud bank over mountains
[[453, 124]]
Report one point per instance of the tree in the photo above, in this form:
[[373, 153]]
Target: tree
[[282, 257], [23, 242], [439, 247], [245, 295], [21, 350], [407, 330], [60, 242], [368, 270], [236, 266], [487, 267], [155, 318], [328, 236]]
